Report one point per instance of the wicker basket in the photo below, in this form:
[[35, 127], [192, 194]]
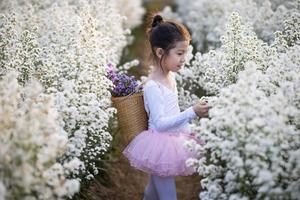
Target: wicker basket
[[131, 115]]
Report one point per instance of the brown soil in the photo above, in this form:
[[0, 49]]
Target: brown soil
[[129, 183]]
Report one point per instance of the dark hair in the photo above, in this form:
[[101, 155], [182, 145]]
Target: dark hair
[[164, 34]]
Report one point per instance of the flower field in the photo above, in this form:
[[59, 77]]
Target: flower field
[[60, 60]]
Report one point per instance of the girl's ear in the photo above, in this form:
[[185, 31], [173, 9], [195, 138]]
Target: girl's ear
[[159, 52]]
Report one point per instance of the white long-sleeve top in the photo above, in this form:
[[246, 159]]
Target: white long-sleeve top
[[161, 105]]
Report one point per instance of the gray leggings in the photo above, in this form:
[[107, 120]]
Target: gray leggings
[[160, 188]]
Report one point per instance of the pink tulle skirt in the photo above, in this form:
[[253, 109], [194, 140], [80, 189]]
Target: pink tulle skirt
[[161, 154]]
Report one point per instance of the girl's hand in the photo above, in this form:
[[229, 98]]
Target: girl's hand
[[201, 109]]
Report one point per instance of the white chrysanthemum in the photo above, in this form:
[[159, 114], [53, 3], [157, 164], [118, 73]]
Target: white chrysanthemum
[[132, 11], [207, 18], [66, 45], [253, 134], [31, 141], [219, 68], [250, 142]]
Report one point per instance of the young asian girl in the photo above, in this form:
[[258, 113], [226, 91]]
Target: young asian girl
[[159, 151]]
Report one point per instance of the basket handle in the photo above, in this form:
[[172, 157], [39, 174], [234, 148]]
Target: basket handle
[[139, 86]]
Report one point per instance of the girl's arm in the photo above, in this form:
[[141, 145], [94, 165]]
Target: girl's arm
[[154, 100]]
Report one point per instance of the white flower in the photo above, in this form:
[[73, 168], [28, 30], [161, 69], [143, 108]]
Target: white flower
[[74, 165], [31, 142], [252, 133], [66, 46], [70, 187], [2, 191], [132, 10], [207, 18]]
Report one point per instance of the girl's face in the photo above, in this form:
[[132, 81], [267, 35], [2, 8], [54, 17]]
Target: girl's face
[[175, 60]]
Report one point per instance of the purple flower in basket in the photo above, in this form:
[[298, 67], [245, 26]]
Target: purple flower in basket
[[123, 84]]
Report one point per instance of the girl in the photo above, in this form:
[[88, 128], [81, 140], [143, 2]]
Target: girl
[[159, 150]]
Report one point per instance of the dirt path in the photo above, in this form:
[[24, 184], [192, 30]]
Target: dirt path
[[129, 183]]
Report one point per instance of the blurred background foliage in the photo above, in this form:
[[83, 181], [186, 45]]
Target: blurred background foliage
[[138, 49]]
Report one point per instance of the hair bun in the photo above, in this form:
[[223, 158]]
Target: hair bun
[[157, 19]]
